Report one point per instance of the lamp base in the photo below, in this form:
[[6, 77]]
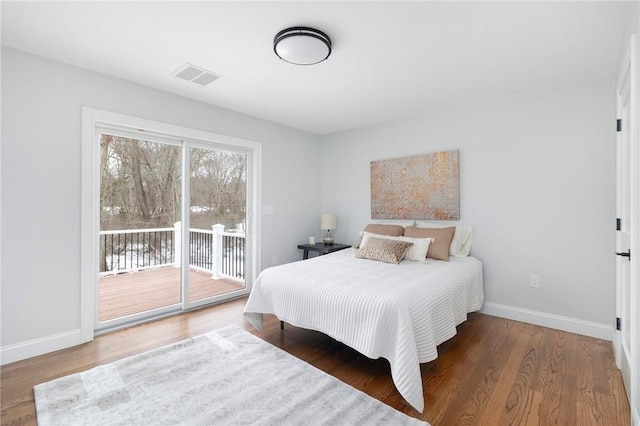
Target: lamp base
[[328, 239]]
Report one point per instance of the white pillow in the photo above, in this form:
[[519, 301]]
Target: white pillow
[[416, 253], [461, 241]]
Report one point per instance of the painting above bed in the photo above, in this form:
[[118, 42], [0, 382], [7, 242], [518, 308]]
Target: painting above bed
[[417, 187]]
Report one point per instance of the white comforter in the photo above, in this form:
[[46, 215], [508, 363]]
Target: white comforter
[[398, 312]]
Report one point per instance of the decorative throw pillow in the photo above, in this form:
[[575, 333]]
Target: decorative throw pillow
[[381, 229], [439, 248], [383, 250], [417, 252], [461, 241]]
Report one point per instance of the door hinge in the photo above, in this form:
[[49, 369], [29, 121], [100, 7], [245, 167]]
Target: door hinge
[[618, 224], [618, 125], [618, 326]]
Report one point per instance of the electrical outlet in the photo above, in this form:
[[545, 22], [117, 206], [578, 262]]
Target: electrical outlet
[[274, 259], [535, 281]]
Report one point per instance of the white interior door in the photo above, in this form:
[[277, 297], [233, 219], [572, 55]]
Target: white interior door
[[626, 289]]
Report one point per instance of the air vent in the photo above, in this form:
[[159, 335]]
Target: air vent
[[196, 74]]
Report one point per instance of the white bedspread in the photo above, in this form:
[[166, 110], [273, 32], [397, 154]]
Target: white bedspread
[[398, 312]]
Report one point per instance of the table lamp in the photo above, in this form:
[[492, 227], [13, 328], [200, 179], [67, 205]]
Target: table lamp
[[328, 222]]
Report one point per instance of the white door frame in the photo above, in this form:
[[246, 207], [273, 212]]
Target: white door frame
[[92, 119], [635, 234], [629, 361]]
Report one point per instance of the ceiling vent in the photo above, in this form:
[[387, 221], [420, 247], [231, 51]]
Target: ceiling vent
[[196, 74]]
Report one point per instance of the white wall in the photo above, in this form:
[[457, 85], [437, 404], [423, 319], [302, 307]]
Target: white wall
[[537, 182], [41, 146]]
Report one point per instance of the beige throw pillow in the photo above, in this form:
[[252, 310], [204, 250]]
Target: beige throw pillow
[[384, 250], [381, 229], [439, 247], [417, 252], [462, 237]]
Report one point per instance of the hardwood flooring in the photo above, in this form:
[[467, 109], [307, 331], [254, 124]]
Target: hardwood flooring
[[493, 372]]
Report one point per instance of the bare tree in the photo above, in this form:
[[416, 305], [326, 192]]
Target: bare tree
[[218, 187], [141, 185]]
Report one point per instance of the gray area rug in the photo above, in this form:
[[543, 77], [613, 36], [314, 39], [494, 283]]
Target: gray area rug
[[226, 377]]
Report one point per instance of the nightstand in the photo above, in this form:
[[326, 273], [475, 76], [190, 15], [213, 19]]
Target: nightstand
[[321, 248]]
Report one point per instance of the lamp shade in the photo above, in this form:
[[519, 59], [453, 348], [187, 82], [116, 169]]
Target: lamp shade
[[328, 221]]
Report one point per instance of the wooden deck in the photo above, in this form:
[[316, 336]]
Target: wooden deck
[[131, 293]]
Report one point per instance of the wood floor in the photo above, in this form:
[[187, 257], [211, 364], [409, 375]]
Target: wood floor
[[494, 372], [132, 293]]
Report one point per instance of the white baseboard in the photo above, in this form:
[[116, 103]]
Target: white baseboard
[[635, 417], [35, 347], [572, 325]]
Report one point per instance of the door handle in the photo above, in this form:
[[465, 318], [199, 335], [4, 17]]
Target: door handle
[[626, 254]]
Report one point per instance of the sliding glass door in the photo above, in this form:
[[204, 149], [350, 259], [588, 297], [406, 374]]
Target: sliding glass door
[[140, 199], [167, 243], [217, 224]]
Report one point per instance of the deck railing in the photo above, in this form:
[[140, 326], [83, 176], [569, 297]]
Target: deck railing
[[215, 250], [136, 249]]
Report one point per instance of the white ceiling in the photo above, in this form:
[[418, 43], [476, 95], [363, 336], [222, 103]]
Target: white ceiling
[[391, 60]]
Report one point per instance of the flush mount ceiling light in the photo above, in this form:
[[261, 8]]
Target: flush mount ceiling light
[[302, 45]]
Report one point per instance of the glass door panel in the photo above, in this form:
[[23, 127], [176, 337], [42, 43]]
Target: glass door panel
[[217, 218], [140, 199]]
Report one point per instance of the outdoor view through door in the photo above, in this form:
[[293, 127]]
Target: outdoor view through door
[[146, 257]]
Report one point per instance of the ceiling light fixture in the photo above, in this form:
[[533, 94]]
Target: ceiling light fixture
[[302, 45]]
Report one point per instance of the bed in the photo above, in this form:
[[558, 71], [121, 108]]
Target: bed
[[399, 312]]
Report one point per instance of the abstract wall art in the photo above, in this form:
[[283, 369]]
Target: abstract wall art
[[417, 187]]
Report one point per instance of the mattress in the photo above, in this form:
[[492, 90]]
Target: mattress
[[400, 312]]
